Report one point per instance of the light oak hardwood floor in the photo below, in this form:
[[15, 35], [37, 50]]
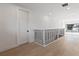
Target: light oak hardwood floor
[[60, 47]]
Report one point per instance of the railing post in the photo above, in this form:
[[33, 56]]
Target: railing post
[[44, 38]]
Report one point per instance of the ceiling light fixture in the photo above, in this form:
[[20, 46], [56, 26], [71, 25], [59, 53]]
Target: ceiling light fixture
[[66, 5]]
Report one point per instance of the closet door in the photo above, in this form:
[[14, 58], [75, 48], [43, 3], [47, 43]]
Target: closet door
[[22, 27]]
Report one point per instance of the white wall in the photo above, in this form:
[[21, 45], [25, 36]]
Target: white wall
[[9, 25], [52, 15], [46, 16]]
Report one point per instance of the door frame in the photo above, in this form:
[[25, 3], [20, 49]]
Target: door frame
[[25, 10]]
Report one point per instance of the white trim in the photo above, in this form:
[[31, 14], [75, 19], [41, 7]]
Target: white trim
[[26, 10], [52, 42], [43, 37], [48, 43], [39, 44]]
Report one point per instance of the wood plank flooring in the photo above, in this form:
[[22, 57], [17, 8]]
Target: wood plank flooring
[[60, 47]]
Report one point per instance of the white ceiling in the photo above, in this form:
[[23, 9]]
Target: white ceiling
[[46, 8], [34, 6]]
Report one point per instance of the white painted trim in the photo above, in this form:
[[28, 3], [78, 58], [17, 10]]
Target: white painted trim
[[47, 44], [39, 44], [26, 10], [53, 41], [43, 37]]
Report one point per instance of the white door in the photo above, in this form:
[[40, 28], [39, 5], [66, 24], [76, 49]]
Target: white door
[[22, 27]]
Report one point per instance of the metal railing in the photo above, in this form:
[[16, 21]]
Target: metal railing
[[44, 37]]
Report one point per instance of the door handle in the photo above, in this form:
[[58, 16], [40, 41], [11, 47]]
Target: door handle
[[27, 30]]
